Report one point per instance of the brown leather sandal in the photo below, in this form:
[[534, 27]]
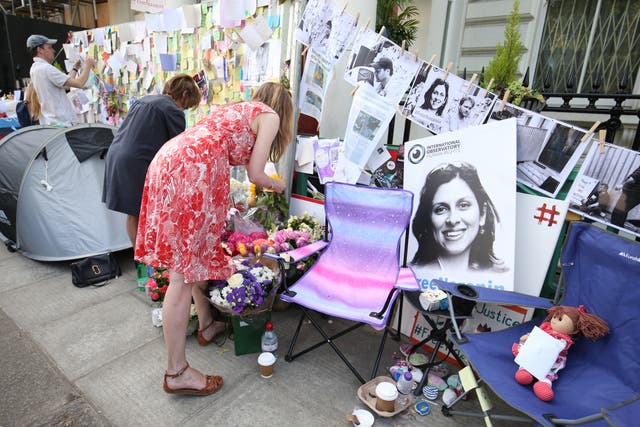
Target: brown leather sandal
[[211, 385], [202, 340]]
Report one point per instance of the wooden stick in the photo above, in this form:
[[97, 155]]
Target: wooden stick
[[304, 51], [473, 79], [446, 72], [504, 99], [486, 92], [355, 89], [402, 47], [591, 130], [602, 135], [355, 22], [380, 33]]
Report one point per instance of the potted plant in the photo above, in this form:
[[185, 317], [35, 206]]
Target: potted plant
[[503, 67], [398, 18]]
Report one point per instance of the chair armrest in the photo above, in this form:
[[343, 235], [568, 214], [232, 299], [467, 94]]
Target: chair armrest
[[479, 293], [407, 280], [622, 412], [298, 254]]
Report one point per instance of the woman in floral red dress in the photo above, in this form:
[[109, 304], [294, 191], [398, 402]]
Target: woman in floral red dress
[[184, 207]]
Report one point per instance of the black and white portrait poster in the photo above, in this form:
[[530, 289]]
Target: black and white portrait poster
[[548, 149], [343, 31], [443, 105], [369, 118], [316, 24], [464, 210], [607, 188], [318, 72], [379, 63]]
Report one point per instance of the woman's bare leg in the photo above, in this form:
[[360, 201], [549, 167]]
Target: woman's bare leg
[[132, 228], [175, 317], [203, 307]]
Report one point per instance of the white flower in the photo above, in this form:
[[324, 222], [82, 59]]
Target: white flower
[[235, 281]]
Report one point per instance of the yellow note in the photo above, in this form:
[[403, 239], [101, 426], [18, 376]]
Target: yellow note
[[467, 378]]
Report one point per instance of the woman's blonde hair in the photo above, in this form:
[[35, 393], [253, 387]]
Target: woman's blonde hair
[[32, 102], [276, 96], [182, 88]]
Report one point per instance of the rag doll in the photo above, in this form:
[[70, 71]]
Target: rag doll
[[562, 323]]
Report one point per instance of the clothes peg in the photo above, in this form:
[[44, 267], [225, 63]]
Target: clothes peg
[[355, 21], [486, 92], [355, 89], [504, 100], [431, 60], [304, 51], [602, 134], [404, 42], [344, 7], [473, 79], [380, 33], [591, 130], [446, 72], [366, 24]]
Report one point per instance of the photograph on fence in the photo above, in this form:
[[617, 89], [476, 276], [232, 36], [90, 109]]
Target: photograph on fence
[[548, 149], [463, 224], [379, 63], [607, 188]]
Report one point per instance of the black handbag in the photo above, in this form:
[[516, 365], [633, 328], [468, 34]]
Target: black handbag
[[94, 270]]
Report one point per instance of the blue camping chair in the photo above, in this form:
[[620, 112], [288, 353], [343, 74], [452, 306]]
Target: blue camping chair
[[600, 384], [357, 276]]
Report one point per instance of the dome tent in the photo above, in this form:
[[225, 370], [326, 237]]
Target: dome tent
[[51, 181]]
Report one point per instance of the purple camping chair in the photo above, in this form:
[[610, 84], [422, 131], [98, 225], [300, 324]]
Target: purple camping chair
[[600, 384], [357, 276]]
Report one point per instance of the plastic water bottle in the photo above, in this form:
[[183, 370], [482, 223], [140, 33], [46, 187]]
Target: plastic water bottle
[[142, 276], [404, 386], [269, 342]]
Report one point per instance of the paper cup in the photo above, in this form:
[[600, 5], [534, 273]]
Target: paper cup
[[386, 395], [265, 363]]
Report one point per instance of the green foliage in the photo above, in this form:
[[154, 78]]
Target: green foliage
[[400, 26], [271, 209], [518, 93], [504, 64]]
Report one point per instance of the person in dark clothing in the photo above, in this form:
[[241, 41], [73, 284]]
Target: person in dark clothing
[[150, 122], [629, 199]]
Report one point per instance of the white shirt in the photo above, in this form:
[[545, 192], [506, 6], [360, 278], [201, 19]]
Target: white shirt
[[49, 84]]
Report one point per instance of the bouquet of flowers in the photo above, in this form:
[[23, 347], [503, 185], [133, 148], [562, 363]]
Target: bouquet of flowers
[[300, 231], [157, 284], [250, 290]]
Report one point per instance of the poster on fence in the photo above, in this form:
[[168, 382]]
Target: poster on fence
[[463, 223]]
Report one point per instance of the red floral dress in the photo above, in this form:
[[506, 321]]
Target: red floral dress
[[186, 191]]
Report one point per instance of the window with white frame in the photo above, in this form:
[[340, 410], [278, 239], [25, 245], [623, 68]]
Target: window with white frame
[[596, 40]]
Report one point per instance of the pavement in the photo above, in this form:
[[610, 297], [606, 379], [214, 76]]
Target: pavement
[[91, 357]]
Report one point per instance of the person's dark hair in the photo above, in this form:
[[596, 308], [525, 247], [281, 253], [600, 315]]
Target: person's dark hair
[[427, 96], [464, 99], [482, 255], [183, 89]]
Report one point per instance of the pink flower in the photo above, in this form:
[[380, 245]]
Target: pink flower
[[155, 297]]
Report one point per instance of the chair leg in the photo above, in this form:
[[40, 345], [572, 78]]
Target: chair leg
[[430, 364], [289, 356]]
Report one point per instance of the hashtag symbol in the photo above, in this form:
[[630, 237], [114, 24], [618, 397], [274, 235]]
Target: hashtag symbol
[[547, 214]]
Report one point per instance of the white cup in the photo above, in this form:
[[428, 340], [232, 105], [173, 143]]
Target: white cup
[[265, 362], [386, 395]]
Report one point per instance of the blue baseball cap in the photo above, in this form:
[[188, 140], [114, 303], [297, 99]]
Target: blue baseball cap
[[36, 40]]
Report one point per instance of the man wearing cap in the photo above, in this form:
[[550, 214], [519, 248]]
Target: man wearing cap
[[50, 83], [383, 71]]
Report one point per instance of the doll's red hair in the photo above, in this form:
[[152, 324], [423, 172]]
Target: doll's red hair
[[589, 325]]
